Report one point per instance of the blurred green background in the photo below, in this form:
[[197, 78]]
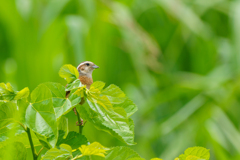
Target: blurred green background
[[179, 60]]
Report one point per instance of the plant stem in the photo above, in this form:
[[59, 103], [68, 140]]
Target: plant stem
[[31, 144], [79, 122]]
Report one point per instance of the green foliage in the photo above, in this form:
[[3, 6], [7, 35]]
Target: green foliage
[[17, 149], [39, 120], [7, 92], [195, 153], [69, 73], [65, 152]]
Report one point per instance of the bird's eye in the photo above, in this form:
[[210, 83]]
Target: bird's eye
[[87, 64]]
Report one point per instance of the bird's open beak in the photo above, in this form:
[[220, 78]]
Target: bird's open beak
[[95, 66]]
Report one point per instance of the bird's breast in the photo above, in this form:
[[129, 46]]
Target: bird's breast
[[86, 81]]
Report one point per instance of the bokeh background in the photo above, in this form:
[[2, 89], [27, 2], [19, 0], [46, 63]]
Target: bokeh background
[[179, 60]]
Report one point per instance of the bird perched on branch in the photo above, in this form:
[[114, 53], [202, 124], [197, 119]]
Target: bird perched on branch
[[85, 70]]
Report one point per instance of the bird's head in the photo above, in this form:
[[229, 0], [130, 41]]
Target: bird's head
[[86, 68]]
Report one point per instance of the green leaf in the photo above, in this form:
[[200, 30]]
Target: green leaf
[[15, 133], [64, 153], [63, 126], [98, 85], [156, 159], [193, 152], [120, 153], [17, 149], [74, 85], [69, 73], [7, 92], [94, 148], [61, 104], [193, 158], [73, 139], [40, 116], [8, 113], [119, 99], [24, 93], [100, 112]]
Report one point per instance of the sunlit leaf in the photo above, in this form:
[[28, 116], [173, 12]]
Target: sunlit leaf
[[98, 85], [63, 126], [195, 152], [74, 85], [64, 153], [194, 158], [40, 115], [18, 134], [94, 148], [16, 150], [8, 113], [120, 153], [69, 73], [24, 93], [7, 92], [114, 122], [156, 159], [119, 99]]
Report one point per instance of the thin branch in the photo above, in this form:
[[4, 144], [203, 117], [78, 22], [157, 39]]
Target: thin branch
[[35, 156], [79, 122]]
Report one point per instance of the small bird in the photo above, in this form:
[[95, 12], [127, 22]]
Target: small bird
[[85, 70]]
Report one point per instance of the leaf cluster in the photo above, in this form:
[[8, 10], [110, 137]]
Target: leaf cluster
[[37, 119]]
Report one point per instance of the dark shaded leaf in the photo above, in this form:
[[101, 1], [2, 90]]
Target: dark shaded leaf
[[73, 139]]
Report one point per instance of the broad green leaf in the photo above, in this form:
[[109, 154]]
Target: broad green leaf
[[104, 116], [119, 99], [98, 85], [61, 104], [73, 139], [120, 153], [115, 94], [74, 85], [8, 113], [42, 92], [94, 148], [69, 73], [24, 93], [200, 152], [63, 126], [114, 122], [17, 149], [40, 116], [64, 153], [156, 159]]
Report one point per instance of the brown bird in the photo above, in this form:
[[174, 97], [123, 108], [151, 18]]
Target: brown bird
[[85, 70]]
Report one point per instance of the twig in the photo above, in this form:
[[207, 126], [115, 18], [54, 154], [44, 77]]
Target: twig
[[31, 144]]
